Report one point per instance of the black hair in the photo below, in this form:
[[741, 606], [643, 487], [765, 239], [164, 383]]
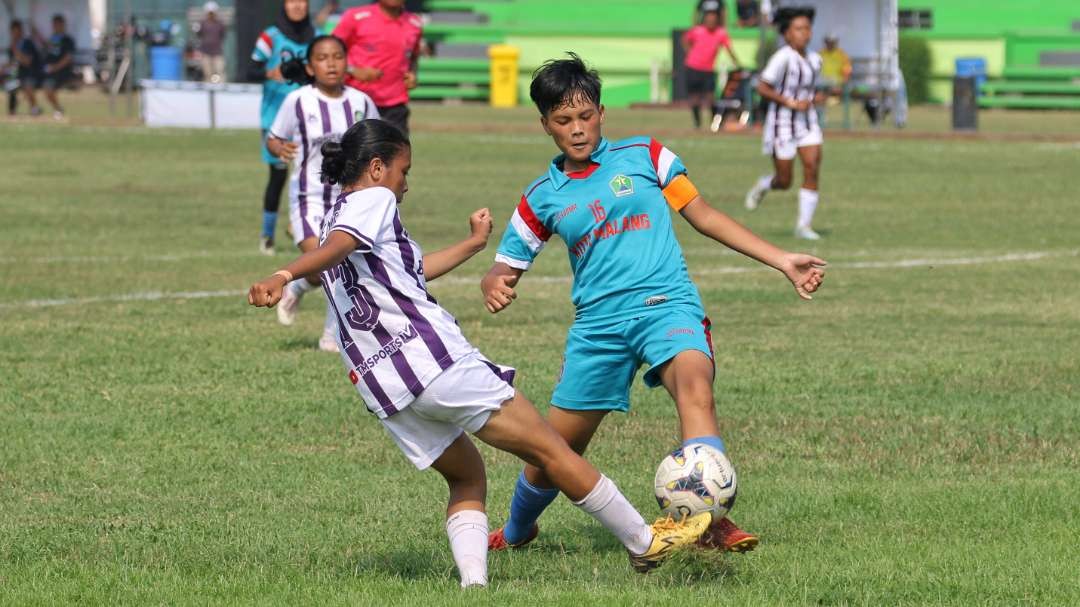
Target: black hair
[[59, 17], [344, 161], [294, 70], [560, 82], [16, 23], [785, 16]]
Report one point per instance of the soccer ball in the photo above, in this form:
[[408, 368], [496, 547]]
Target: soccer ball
[[694, 479]]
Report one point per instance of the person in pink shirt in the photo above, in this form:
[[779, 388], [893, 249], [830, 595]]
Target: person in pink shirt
[[384, 42], [702, 43]]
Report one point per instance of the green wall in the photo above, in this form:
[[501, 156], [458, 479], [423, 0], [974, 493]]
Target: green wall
[[623, 62], [996, 17]]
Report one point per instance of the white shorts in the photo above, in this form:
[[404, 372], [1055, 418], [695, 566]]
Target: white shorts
[[785, 149], [307, 221], [460, 399]]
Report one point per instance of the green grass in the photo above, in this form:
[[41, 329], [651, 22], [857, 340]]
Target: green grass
[[909, 437]]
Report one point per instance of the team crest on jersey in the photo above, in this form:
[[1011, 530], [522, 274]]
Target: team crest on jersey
[[621, 185]]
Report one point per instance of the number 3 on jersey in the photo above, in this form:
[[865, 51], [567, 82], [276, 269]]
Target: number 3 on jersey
[[364, 314]]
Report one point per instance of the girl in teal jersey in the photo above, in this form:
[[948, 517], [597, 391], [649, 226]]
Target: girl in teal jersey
[[634, 299]]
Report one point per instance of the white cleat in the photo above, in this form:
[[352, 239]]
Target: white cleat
[[327, 343], [266, 246], [806, 233], [754, 198], [287, 307]]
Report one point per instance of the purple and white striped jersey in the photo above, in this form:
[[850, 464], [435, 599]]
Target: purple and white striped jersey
[[795, 76], [394, 337], [309, 118]]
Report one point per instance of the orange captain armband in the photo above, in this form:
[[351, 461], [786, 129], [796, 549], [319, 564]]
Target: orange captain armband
[[680, 192]]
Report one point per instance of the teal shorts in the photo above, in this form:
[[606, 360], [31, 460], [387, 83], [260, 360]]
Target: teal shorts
[[601, 359]]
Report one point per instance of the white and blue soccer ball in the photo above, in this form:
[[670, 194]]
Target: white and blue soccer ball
[[695, 479]]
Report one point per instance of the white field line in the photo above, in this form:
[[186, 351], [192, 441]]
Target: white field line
[[167, 257], [458, 280]]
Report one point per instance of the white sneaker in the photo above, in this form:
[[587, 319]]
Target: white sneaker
[[287, 307], [754, 197], [806, 233], [327, 343], [266, 246]]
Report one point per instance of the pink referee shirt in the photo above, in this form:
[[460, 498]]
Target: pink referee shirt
[[375, 39], [705, 46]]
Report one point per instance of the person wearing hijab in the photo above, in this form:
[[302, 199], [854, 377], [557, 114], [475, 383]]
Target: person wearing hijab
[[287, 39]]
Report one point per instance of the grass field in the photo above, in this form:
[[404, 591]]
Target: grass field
[[912, 436]]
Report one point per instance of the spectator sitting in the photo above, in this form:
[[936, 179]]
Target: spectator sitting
[[59, 63], [748, 13], [211, 41], [835, 66], [27, 63]]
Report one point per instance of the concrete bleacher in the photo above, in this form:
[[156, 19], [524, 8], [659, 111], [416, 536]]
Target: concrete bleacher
[[1042, 71], [623, 38]]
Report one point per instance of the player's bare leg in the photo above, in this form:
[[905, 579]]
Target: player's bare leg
[[696, 100], [31, 98], [808, 195], [518, 428], [534, 490], [466, 519], [779, 180], [688, 377]]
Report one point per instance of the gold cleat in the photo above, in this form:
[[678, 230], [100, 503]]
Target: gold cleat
[[670, 535]]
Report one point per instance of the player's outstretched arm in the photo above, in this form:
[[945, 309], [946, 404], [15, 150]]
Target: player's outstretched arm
[[498, 286], [440, 262], [804, 271], [338, 245]]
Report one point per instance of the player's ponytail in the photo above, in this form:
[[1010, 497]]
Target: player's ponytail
[[345, 161]]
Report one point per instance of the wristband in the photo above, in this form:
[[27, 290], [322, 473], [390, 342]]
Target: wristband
[[287, 275]]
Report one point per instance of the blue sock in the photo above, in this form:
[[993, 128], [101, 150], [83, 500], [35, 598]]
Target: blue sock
[[713, 441], [269, 224], [527, 505]]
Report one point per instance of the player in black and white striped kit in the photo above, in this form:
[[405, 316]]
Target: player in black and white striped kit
[[791, 127]]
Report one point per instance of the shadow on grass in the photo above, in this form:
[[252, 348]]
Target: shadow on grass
[[684, 568], [403, 564], [294, 344]]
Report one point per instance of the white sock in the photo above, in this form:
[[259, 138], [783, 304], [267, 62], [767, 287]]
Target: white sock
[[808, 200], [608, 505], [300, 286], [468, 532], [764, 183]]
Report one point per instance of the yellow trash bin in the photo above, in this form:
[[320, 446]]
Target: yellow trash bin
[[504, 75]]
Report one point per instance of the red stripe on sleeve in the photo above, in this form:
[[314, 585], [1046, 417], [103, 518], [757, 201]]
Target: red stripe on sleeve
[[532, 220], [654, 153], [265, 38]]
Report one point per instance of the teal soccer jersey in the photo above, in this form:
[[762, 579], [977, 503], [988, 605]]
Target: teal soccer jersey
[[617, 227], [272, 49]]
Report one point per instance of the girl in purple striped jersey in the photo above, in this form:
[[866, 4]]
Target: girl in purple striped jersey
[[416, 371], [310, 116]]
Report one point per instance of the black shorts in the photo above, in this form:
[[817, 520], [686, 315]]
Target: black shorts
[[397, 115], [698, 82], [28, 78], [56, 80]]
